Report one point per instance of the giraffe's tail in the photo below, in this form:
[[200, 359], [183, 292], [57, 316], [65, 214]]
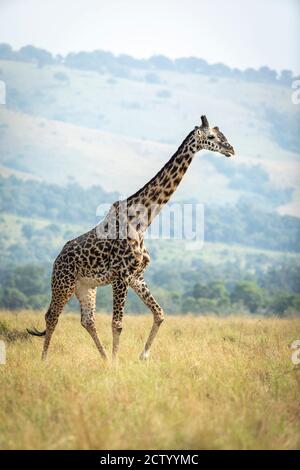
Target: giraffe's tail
[[35, 332]]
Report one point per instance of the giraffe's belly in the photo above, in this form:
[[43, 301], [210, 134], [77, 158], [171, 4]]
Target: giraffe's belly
[[94, 281]]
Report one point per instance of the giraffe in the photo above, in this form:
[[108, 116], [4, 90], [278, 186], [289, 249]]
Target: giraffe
[[101, 256]]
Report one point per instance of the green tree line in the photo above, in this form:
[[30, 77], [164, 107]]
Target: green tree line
[[244, 223], [100, 60], [28, 287]]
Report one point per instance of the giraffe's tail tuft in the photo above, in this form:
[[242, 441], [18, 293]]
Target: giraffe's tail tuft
[[35, 332]]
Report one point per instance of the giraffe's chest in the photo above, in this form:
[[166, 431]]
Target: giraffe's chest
[[129, 259]]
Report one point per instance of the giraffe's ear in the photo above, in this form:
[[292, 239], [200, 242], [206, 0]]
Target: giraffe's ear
[[216, 128], [204, 121]]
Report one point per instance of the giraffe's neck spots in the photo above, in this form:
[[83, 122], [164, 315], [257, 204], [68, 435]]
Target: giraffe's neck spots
[[157, 192]]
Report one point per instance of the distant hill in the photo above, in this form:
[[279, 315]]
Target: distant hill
[[100, 61], [59, 152], [95, 117], [77, 130], [162, 106]]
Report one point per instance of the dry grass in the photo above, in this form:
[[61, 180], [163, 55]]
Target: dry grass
[[210, 384]]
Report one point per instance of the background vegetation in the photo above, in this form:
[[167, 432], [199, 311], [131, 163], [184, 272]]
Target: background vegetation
[[82, 130], [220, 278]]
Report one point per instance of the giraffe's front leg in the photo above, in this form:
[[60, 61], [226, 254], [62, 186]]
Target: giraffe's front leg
[[119, 297], [140, 287], [87, 299]]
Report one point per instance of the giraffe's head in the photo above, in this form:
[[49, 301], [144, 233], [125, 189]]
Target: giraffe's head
[[211, 138]]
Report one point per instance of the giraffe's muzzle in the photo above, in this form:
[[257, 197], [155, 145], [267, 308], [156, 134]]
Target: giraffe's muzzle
[[228, 150]]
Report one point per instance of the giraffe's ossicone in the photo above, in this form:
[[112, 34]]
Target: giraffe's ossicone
[[114, 252]]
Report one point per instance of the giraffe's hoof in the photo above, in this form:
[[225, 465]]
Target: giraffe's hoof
[[144, 355]]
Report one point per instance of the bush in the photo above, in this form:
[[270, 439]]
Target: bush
[[62, 77], [152, 78], [284, 302], [163, 94], [13, 299], [248, 292]]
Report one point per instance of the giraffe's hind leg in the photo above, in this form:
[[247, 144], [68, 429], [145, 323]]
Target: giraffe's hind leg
[[87, 300], [140, 287], [60, 296], [120, 289]]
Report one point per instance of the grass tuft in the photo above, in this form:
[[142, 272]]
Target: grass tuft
[[12, 334]]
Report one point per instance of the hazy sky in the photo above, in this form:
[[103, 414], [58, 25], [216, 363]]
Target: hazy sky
[[240, 33]]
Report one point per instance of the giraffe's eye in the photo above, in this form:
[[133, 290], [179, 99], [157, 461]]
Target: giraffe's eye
[[211, 137]]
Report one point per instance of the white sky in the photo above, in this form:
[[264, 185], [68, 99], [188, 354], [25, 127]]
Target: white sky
[[240, 33]]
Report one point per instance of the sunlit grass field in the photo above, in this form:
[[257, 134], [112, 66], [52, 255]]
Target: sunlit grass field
[[210, 383]]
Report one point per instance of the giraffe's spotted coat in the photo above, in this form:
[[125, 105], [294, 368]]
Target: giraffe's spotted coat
[[90, 261]]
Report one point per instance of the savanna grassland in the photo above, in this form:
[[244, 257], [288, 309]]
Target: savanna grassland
[[210, 383]]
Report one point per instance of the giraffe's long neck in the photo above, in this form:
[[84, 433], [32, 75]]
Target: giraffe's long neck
[[157, 192]]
